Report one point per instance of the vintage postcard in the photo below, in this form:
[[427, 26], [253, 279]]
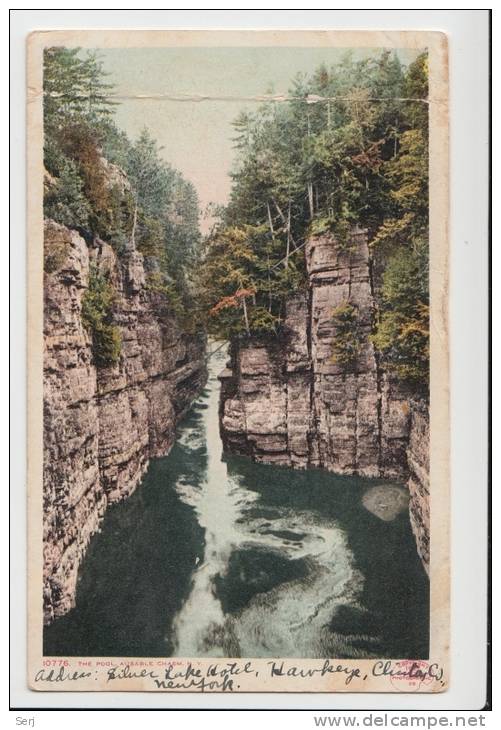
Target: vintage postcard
[[238, 361]]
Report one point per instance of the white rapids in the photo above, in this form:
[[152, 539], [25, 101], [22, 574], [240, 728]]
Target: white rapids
[[290, 619]]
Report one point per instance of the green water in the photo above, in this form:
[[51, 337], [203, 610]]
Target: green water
[[216, 556]]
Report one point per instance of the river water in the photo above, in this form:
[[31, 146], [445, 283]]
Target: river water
[[218, 556]]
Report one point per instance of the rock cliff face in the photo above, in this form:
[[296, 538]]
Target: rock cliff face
[[102, 425], [419, 480], [288, 402]]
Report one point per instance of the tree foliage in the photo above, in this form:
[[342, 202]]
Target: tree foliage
[[402, 334], [97, 317], [350, 146], [140, 201], [75, 89], [348, 337]]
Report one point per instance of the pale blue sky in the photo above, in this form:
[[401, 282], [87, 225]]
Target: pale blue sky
[[196, 135]]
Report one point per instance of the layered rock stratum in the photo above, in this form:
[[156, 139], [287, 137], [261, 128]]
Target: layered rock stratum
[[286, 401], [102, 425]]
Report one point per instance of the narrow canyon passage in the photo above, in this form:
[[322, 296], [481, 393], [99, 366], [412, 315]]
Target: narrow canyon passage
[[219, 556]]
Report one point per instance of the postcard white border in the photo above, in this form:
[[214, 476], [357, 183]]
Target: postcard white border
[[468, 35]]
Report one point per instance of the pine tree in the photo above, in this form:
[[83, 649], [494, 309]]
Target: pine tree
[[350, 147]]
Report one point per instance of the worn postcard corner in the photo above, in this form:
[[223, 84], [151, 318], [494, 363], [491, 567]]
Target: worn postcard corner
[[238, 361]]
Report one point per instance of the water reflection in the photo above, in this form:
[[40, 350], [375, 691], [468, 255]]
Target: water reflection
[[224, 557]]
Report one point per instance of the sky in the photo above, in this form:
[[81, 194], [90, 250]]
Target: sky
[[196, 136]]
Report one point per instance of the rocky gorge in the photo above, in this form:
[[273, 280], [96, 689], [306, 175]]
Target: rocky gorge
[[235, 375], [102, 425], [286, 401]]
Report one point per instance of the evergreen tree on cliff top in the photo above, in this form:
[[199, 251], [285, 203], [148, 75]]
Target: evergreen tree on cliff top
[[347, 148], [147, 203]]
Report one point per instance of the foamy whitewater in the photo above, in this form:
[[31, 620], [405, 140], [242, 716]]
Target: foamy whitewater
[[289, 620], [219, 556]]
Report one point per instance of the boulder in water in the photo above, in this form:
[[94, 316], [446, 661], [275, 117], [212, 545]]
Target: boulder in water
[[386, 501]]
